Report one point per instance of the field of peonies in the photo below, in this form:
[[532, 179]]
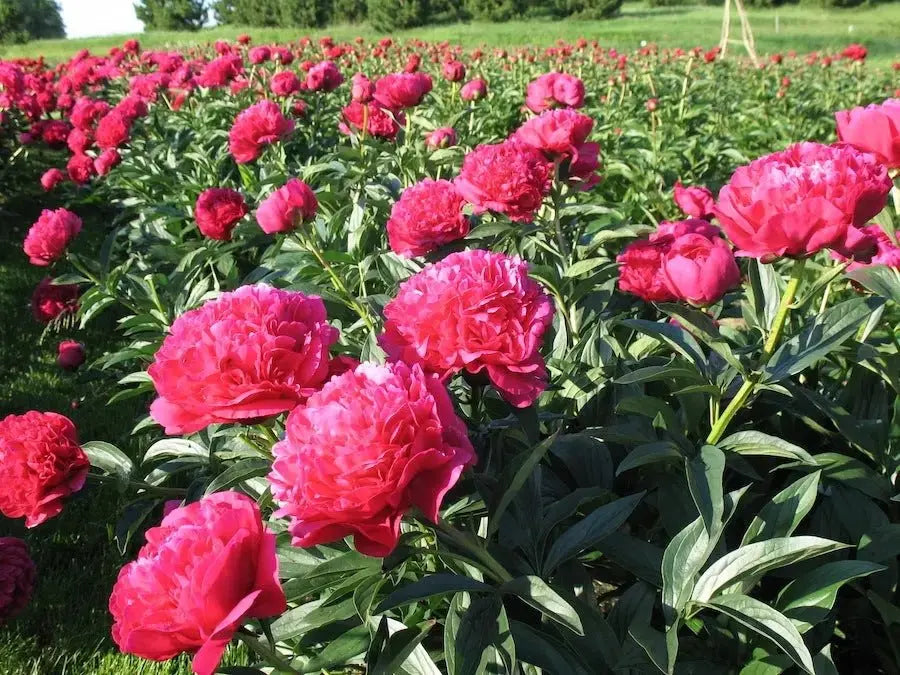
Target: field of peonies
[[560, 361]]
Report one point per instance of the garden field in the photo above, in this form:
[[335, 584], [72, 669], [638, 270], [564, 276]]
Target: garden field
[[526, 348]]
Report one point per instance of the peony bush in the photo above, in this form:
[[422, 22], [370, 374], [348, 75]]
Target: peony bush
[[561, 361]]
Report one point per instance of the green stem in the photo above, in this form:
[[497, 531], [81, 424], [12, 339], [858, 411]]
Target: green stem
[[749, 385], [265, 652], [337, 282], [139, 485], [557, 225], [474, 547]]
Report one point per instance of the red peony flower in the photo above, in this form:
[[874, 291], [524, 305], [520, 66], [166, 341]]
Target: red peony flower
[[70, 355], [870, 246], [220, 71], [473, 90], [324, 76], [284, 83], [17, 576], [671, 230], [640, 270], [51, 178], [552, 90], [377, 120], [509, 177], [694, 201], [51, 300], [257, 126], [258, 55], [402, 90], [249, 354], [291, 205], [362, 90], [113, 130], [48, 238], [699, 270], [427, 215], [217, 211], [474, 311], [801, 200], [206, 569], [584, 166], [41, 464], [371, 444], [454, 71], [441, 138], [78, 141], [106, 160], [80, 168], [875, 129]]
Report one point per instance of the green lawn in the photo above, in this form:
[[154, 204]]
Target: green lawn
[[801, 28]]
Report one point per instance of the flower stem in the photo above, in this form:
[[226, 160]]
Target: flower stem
[[139, 485], [747, 388], [337, 282], [266, 652]]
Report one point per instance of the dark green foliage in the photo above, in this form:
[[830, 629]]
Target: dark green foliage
[[171, 14], [589, 9], [304, 13], [348, 11], [389, 15], [494, 10], [23, 20]]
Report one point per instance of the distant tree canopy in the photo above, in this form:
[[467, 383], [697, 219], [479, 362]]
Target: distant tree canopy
[[23, 20], [171, 14]]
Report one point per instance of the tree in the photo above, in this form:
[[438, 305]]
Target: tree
[[23, 20], [171, 14]]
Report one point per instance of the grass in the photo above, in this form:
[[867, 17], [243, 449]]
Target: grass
[[65, 630], [801, 28]]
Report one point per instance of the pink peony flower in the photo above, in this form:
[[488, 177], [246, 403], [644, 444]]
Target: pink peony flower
[[249, 354], [640, 270], [48, 238], [557, 133], [796, 202], [291, 205], [453, 71], [553, 90], [441, 138], [473, 90], [508, 177], [870, 246], [41, 464], [220, 71], [106, 160], [362, 90], [284, 83], [474, 311], [324, 76], [694, 201], [584, 166], [699, 269], [17, 576], [371, 444], [51, 178], [671, 230], [258, 55], [80, 169], [207, 568], [257, 126], [427, 215], [78, 141], [70, 355], [49, 300], [378, 121], [113, 130], [402, 90], [217, 211], [875, 129]]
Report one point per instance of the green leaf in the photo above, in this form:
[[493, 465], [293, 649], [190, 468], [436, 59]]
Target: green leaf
[[881, 544], [305, 618], [682, 560], [433, 584], [754, 560], [781, 516], [133, 516], [704, 478], [764, 293], [649, 453], [880, 279], [398, 649], [517, 474], [855, 474], [808, 599], [758, 443], [822, 335], [766, 621], [418, 662], [669, 371], [340, 650], [175, 447], [653, 643], [108, 458], [535, 592], [483, 641], [677, 338], [252, 467], [590, 531], [541, 650]]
